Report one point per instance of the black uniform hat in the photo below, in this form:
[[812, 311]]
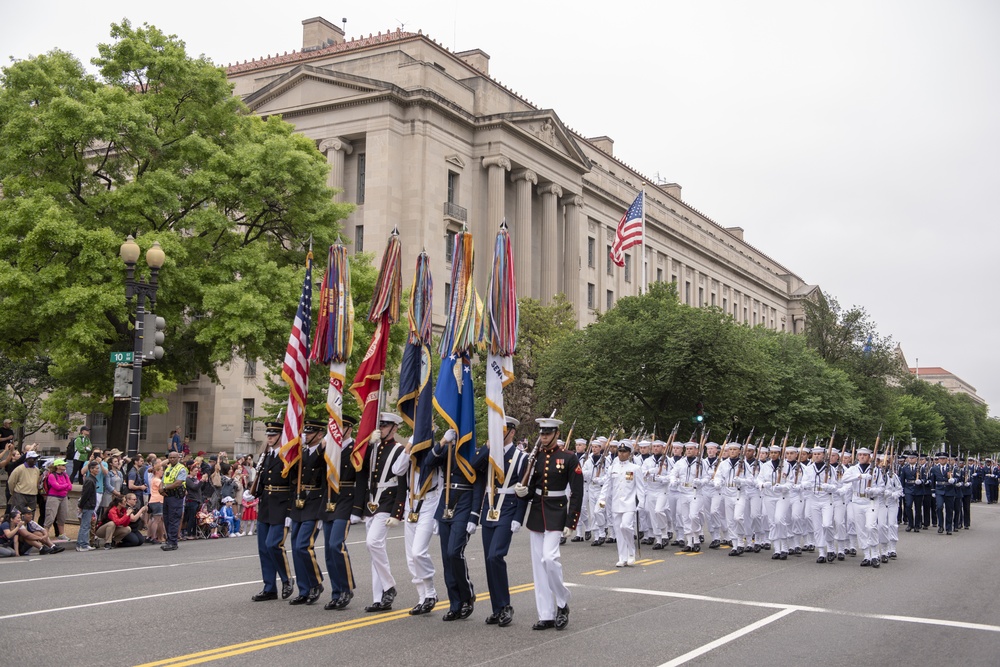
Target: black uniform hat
[[349, 421], [314, 426], [274, 428]]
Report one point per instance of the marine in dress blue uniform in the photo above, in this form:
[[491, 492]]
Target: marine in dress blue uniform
[[496, 516], [275, 495], [342, 510], [306, 512], [943, 475]]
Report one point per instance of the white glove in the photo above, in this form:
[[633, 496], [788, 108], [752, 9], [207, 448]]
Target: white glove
[[515, 526], [449, 436], [829, 488], [918, 482], [874, 492], [797, 487], [392, 522], [760, 486], [520, 490], [375, 437], [674, 485], [697, 482], [470, 528], [355, 519], [968, 483], [951, 480], [717, 483], [865, 476], [567, 531]]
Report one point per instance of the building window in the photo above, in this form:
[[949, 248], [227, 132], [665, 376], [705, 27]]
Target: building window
[[191, 420], [359, 238], [447, 297], [701, 297], [628, 268], [659, 275], [687, 292], [745, 316], [452, 187], [449, 245], [361, 179], [248, 417], [591, 296], [591, 251], [611, 299], [713, 299], [143, 426], [610, 264], [725, 305], [673, 278], [250, 370]]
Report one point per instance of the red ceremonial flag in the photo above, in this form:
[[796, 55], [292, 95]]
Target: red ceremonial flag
[[629, 232]]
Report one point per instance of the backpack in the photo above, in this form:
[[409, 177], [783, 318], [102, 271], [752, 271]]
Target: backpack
[[228, 487]]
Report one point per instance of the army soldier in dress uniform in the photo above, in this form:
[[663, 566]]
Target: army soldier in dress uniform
[[306, 511], [274, 493], [556, 476], [386, 465], [497, 512], [342, 510], [457, 515]]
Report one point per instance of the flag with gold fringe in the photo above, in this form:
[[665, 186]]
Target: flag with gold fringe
[[384, 312], [295, 372], [332, 347], [498, 335], [415, 382], [453, 395]]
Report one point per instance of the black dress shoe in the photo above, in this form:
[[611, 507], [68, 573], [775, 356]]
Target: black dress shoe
[[908, 529], [492, 619], [562, 541], [775, 556], [388, 597], [543, 625], [466, 609], [314, 594], [562, 617], [696, 548], [378, 606], [344, 600], [940, 530], [657, 546], [687, 548], [577, 538], [715, 544], [830, 556], [840, 556], [735, 552], [299, 599], [264, 596], [287, 590], [949, 532], [884, 559], [587, 536], [612, 540], [332, 604], [505, 617], [821, 559], [169, 547], [451, 615], [865, 563], [875, 564], [783, 555]]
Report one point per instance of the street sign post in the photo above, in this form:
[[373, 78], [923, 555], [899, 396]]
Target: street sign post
[[121, 357]]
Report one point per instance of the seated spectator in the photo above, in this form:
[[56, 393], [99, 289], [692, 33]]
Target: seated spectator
[[121, 516], [227, 515], [8, 533], [31, 529], [87, 505], [57, 487]]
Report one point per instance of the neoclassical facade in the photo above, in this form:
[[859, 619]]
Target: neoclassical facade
[[423, 139]]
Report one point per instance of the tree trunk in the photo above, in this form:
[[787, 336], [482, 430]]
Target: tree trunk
[[118, 426]]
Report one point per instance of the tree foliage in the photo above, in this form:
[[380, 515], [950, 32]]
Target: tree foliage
[[23, 385], [159, 148]]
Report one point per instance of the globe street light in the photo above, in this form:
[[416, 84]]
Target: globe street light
[[142, 290]]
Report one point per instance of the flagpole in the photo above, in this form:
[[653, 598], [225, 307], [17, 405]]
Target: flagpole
[[642, 246]]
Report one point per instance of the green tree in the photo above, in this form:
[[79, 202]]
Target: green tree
[[159, 148], [920, 421], [24, 382]]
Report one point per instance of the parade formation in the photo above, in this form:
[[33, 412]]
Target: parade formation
[[743, 496]]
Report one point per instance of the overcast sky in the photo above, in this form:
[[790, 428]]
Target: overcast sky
[[856, 142]]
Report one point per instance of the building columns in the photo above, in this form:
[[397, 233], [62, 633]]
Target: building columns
[[551, 262], [336, 149], [571, 253], [521, 229]]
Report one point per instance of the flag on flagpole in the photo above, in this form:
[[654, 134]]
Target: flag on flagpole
[[295, 372], [453, 394], [415, 383], [629, 232], [384, 312], [499, 336], [333, 345]]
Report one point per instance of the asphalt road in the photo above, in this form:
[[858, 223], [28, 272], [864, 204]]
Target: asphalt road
[[932, 606]]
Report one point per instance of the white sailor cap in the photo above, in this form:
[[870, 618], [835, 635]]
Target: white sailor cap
[[791, 450], [774, 448], [658, 442], [818, 450], [390, 418], [644, 443], [615, 443], [560, 442], [864, 450], [548, 423], [751, 448], [599, 440], [513, 423], [580, 441], [732, 445], [711, 444], [834, 450], [690, 443]]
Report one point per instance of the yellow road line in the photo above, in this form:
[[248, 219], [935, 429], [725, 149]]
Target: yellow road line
[[604, 574], [592, 572], [291, 637]]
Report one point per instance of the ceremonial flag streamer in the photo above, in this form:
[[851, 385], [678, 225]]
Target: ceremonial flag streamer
[[295, 372], [415, 403], [332, 347], [384, 312], [499, 336], [453, 395], [629, 232]]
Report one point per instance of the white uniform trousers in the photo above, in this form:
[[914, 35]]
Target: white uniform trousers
[[801, 525], [840, 522], [781, 524], [376, 532], [547, 572], [625, 527], [583, 525], [731, 529], [687, 513], [820, 510], [598, 521], [716, 507], [656, 501], [417, 537], [865, 518]]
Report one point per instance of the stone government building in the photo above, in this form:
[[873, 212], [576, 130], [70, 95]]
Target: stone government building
[[423, 139]]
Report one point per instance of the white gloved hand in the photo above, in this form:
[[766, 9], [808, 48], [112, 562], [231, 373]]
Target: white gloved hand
[[520, 490], [828, 487], [674, 485], [392, 522], [450, 436], [515, 526], [470, 528], [918, 482], [600, 503], [567, 531], [951, 480], [375, 437], [797, 487], [717, 483], [697, 482], [760, 486], [968, 483], [865, 476], [355, 519]]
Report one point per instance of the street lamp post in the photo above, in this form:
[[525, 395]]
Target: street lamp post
[[141, 290]]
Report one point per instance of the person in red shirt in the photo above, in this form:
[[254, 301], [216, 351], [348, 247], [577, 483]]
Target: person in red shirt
[[120, 519]]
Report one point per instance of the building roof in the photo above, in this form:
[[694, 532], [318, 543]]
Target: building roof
[[930, 370], [315, 54]]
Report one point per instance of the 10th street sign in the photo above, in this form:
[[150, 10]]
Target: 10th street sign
[[121, 357]]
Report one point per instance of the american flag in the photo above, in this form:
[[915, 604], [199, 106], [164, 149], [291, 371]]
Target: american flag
[[295, 372], [629, 231]]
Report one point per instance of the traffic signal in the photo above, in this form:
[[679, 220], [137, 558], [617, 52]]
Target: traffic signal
[[699, 413], [152, 337]]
